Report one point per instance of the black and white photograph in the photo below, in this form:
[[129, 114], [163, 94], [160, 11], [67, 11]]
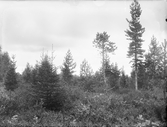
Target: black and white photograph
[[83, 63]]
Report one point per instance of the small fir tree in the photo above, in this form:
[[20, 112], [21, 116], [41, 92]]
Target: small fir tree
[[68, 68], [5, 63], [27, 73], [10, 81], [46, 84]]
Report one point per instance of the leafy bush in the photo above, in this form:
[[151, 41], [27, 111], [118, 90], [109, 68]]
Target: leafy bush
[[88, 83], [23, 96], [8, 107]]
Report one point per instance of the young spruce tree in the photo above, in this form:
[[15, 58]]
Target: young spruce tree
[[27, 73], [68, 68], [10, 80], [45, 86], [5, 63], [134, 34]]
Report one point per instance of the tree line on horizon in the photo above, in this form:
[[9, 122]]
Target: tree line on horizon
[[48, 87]]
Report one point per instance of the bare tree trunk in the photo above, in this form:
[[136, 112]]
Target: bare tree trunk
[[136, 84], [104, 76], [136, 87]]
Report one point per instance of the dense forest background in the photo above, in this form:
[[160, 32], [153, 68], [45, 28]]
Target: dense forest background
[[39, 96]]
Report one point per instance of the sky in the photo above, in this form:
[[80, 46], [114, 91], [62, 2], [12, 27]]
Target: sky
[[27, 28]]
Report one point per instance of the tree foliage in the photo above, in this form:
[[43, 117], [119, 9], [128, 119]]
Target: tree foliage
[[124, 80], [152, 58], [152, 63], [86, 76], [10, 81], [143, 78], [27, 73], [163, 61], [163, 67], [5, 63], [134, 34], [85, 69], [68, 67]]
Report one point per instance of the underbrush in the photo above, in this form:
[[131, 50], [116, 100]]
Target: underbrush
[[126, 108]]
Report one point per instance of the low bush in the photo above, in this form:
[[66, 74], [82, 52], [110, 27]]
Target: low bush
[[8, 107], [81, 108], [24, 97], [59, 101], [123, 91]]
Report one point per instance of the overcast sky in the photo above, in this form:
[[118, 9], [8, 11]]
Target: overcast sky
[[28, 27]]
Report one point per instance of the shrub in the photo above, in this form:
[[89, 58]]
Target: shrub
[[123, 91], [59, 100], [8, 107], [88, 84], [23, 96]]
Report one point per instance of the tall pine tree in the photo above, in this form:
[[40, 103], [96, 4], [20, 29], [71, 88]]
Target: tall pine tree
[[134, 34], [102, 42]]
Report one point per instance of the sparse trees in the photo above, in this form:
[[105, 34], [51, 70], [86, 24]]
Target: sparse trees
[[68, 67], [102, 42], [134, 34]]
